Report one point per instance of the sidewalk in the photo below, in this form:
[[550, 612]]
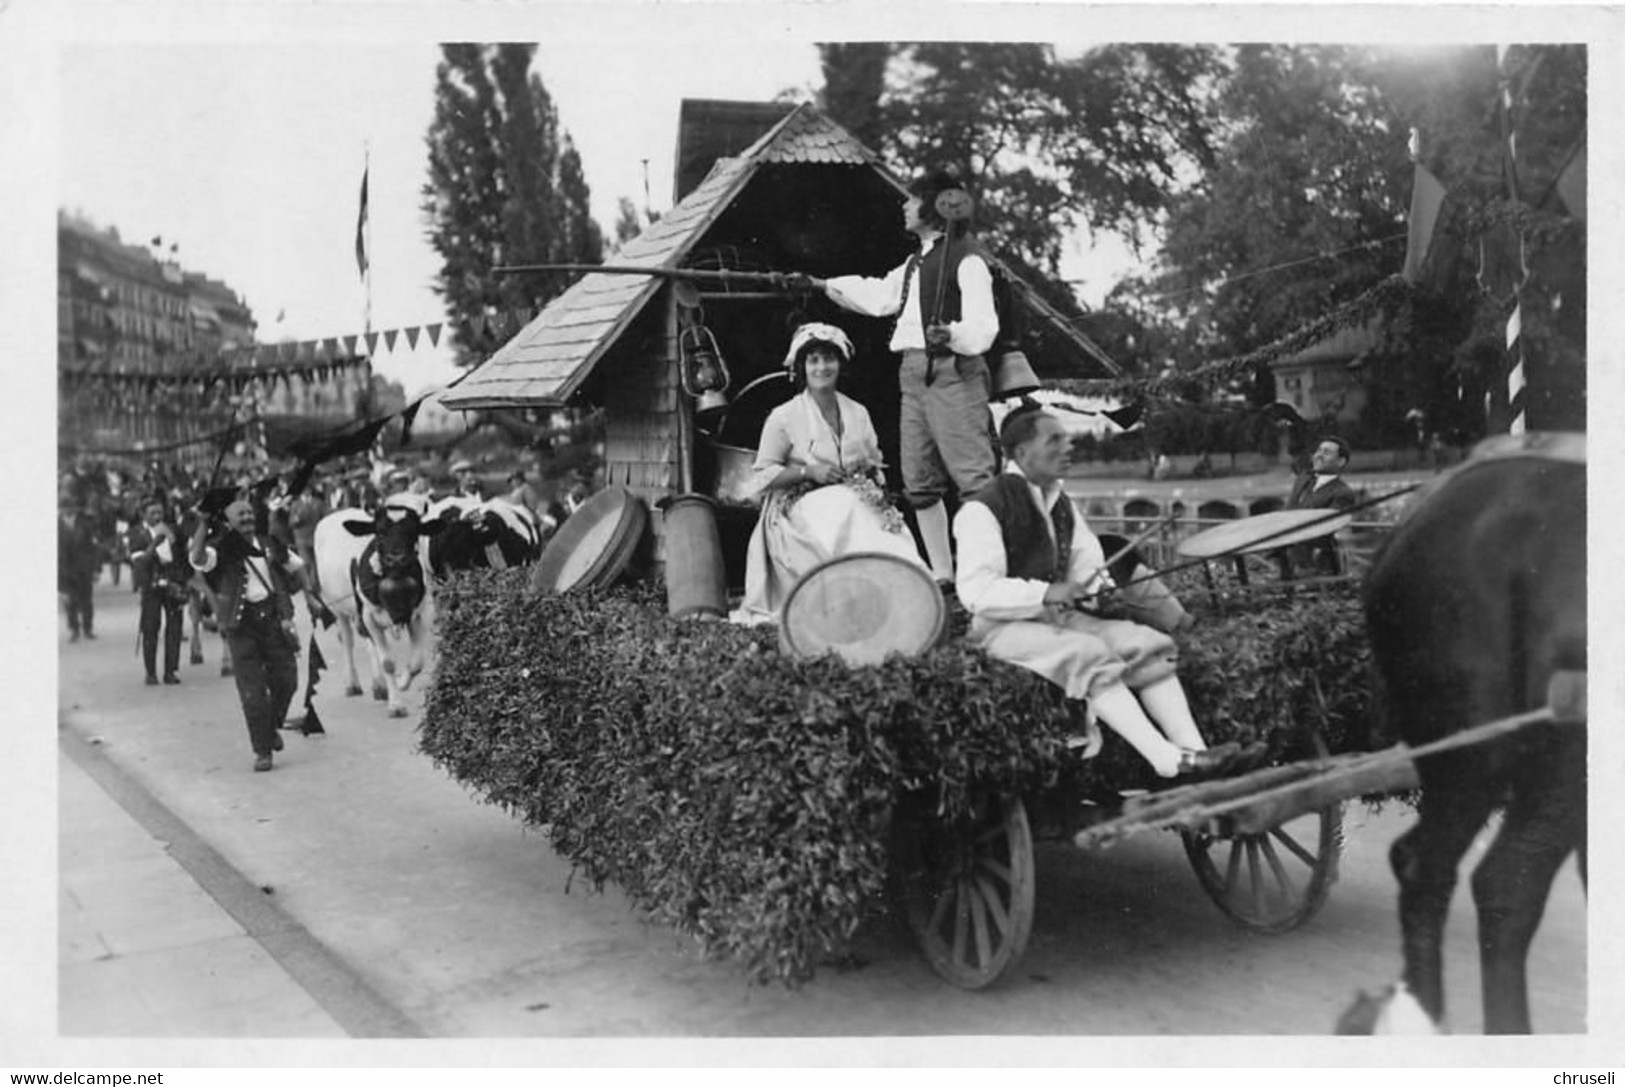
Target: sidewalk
[[143, 949]]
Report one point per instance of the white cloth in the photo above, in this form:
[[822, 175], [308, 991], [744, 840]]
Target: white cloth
[[819, 524], [972, 334]]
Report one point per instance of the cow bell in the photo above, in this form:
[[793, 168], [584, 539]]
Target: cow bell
[[1013, 375]]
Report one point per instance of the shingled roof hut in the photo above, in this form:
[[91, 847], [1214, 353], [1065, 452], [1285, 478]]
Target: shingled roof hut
[[806, 196]]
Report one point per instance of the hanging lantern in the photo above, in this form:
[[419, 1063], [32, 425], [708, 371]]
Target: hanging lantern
[[704, 375]]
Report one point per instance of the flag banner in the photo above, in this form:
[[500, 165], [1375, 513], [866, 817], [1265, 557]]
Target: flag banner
[[1571, 185], [330, 348], [349, 345], [389, 338], [312, 724], [434, 335], [1427, 198], [408, 416], [372, 342], [361, 228], [412, 337]]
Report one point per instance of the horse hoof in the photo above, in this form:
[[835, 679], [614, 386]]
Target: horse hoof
[[196, 658], [380, 695], [353, 690], [397, 711]]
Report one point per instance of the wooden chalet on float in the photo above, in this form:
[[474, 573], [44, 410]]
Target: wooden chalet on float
[[805, 196]]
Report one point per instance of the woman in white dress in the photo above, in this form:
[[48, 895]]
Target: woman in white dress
[[817, 478]]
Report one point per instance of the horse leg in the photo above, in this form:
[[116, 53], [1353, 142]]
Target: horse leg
[[1424, 860], [1544, 823]]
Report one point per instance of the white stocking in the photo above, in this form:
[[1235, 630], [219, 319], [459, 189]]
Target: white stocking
[[933, 521], [1117, 707], [1164, 702]]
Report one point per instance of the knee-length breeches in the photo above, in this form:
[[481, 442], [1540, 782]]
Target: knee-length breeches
[[1080, 653]]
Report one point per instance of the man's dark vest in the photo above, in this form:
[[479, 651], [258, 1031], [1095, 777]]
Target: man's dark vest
[[1028, 550], [930, 271], [230, 579]]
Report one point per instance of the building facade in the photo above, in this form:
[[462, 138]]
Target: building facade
[[134, 333]]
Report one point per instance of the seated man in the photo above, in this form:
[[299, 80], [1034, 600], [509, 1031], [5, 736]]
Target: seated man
[[1321, 487], [1026, 561]]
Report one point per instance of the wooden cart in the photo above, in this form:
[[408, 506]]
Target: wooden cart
[[1264, 845]]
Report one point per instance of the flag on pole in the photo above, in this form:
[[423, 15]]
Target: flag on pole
[[361, 227], [1571, 185], [1427, 198]]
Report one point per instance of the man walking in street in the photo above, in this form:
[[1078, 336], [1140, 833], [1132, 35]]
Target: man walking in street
[[78, 560], [942, 297], [159, 571], [255, 577]]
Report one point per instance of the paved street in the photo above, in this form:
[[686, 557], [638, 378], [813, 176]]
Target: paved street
[[357, 890]]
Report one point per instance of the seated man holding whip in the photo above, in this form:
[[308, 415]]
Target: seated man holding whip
[[1031, 574]]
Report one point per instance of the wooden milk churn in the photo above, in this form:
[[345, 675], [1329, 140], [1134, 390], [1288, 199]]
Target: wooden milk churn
[[695, 581]]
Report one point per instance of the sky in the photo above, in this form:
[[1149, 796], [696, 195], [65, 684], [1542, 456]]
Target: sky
[[250, 157]]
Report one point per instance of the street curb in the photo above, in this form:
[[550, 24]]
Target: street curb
[[342, 993]]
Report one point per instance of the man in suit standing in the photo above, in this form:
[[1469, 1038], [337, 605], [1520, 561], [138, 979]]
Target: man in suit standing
[[159, 572], [1321, 487]]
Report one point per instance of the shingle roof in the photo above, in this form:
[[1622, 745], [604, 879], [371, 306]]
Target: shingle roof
[[547, 360]]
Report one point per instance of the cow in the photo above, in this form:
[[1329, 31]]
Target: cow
[[493, 533], [374, 573]]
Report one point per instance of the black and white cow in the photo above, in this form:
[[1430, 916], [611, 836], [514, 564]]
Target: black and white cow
[[374, 573], [493, 533]]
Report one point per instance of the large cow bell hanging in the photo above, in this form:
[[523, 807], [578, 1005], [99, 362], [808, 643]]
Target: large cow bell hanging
[[1013, 375]]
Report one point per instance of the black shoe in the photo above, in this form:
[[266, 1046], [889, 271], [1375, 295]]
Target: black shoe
[[262, 764], [1209, 763], [276, 741], [152, 680], [171, 679]]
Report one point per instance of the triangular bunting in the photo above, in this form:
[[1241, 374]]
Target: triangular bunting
[[349, 346], [330, 348], [372, 342], [389, 338], [434, 334], [412, 337]]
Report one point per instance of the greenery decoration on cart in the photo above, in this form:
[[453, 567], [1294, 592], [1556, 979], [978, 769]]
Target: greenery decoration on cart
[[744, 797]]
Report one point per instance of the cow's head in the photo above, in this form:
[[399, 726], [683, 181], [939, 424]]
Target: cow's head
[[392, 557]]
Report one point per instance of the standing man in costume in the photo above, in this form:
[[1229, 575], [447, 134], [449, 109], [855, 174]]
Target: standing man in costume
[[1027, 561], [255, 577], [159, 571], [942, 297]]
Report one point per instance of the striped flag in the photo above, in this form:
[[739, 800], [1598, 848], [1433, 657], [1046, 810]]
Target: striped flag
[[361, 228]]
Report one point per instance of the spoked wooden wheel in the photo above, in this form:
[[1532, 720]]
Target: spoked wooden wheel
[[1275, 881], [967, 888]]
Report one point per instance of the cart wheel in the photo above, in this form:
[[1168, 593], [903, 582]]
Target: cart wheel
[[967, 889], [1275, 881]]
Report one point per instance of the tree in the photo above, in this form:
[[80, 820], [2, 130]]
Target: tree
[[505, 187], [1050, 146]]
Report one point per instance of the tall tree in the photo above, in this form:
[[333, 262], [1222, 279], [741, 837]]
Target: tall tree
[[505, 187], [1052, 146]]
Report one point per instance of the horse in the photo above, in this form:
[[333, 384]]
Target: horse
[[1473, 605]]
